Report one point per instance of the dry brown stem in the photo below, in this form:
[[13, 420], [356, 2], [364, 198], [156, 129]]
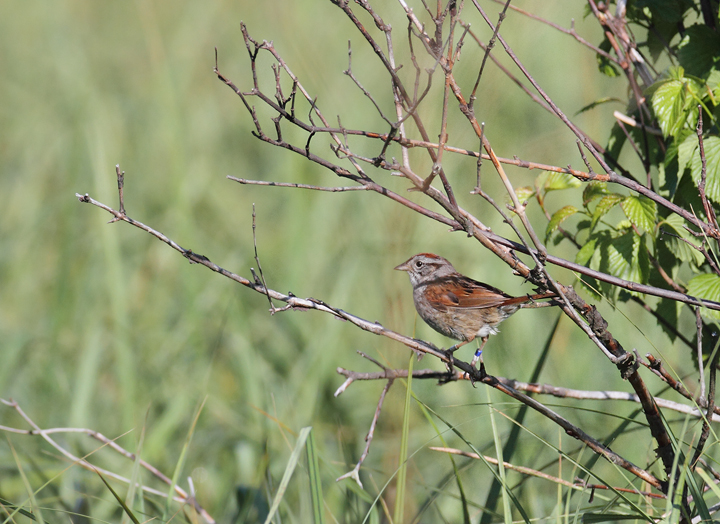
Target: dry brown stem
[[182, 497]]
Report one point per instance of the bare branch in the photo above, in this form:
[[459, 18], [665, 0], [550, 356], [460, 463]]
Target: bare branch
[[582, 486], [355, 472], [181, 497]]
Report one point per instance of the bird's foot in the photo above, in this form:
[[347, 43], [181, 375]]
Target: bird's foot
[[449, 364], [481, 373]]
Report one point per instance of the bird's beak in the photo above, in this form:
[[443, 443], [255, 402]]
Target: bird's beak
[[403, 267]]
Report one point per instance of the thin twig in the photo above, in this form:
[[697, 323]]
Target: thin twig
[[445, 377], [292, 301], [709, 211], [710, 407], [700, 364], [355, 472], [582, 486], [257, 259], [300, 186], [121, 184], [181, 497]]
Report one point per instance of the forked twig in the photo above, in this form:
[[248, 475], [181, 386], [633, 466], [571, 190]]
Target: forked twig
[[257, 259], [355, 472], [578, 484], [181, 496]]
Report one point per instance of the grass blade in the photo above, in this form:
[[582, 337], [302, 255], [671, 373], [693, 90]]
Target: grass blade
[[135, 474], [120, 501], [507, 514], [31, 494], [181, 461], [399, 514], [315, 484], [456, 471], [289, 469]]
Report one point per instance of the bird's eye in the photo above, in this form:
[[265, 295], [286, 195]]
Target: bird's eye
[[418, 264]]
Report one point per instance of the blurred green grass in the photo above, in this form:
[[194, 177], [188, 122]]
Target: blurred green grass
[[101, 323]]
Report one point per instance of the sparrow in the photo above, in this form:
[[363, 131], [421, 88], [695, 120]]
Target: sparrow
[[458, 306]]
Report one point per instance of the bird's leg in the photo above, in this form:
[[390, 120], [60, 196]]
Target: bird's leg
[[449, 354], [452, 349], [478, 355]]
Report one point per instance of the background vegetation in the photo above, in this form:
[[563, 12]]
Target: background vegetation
[[105, 328]]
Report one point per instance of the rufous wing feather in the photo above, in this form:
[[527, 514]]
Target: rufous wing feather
[[465, 293]]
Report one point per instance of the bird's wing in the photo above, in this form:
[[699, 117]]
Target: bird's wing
[[466, 293]]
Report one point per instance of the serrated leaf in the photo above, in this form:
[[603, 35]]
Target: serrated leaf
[[606, 67], [556, 181], [594, 190], [626, 257], [623, 224], [685, 151], [712, 156], [664, 27], [670, 311], [699, 49], [623, 255], [674, 102], [708, 287], [713, 83], [616, 141], [558, 217], [524, 193], [675, 224], [641, 211], [586, 252], [585, 257], [604, 206], [582, 224]]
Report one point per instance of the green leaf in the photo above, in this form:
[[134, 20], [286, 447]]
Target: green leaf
[[670, 311], [594, 190], [626, 257], [641, 211], [604, 206], [586, 252], [616, 141], [605, 66], [558, 217], [713, 83], [583, 224], [556, 181], [699, 50], [623, 255], [708, 287], [674, 102], [674, 224], [685, 151], [524, 193], [585, 256], [665, 18], [712, 156]]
